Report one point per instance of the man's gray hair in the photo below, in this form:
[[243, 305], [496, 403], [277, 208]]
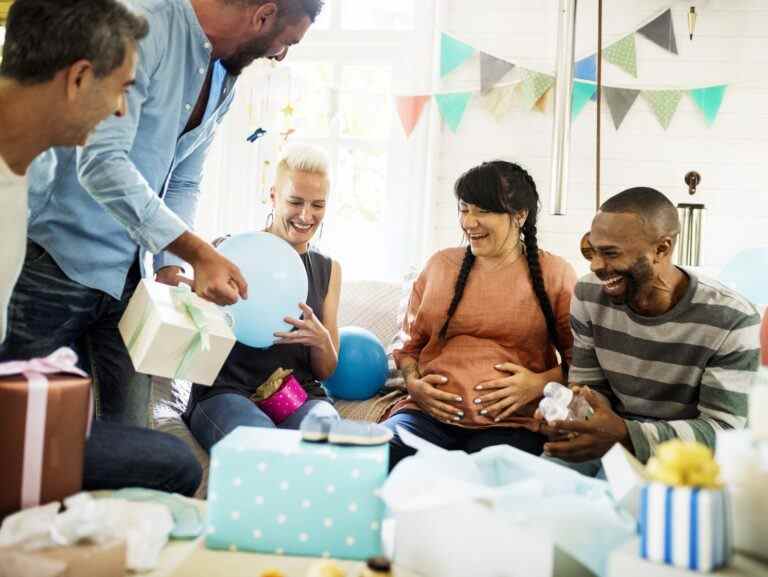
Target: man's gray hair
[[45, 36]]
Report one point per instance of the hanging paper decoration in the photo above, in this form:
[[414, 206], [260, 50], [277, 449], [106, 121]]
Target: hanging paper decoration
[[582, 92], [709, 100], [452, 107], [661, 31], [288, 110], [623, 54], [409, 108], [586, 68], [619, 100], [492, 70], [453, 53], [498, 101], [663, 103], [533, 86], [541, 103]]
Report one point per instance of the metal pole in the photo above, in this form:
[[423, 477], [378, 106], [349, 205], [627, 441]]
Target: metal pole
[[561, 128]]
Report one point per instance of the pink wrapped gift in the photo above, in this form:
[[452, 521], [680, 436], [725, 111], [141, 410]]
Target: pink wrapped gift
[[285, 401]]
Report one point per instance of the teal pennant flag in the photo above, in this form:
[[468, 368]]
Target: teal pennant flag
[[582, 93], [452, 107], [453, 53], [709, 100]]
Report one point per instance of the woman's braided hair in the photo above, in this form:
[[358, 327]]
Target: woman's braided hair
[[505, 187]]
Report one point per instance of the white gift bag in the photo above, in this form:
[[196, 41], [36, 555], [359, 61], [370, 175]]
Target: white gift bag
[[499, 513]]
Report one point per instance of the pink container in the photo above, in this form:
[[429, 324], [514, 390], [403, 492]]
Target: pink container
[[285, 401]]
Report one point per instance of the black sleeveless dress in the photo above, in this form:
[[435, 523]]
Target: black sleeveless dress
[[246, 368]]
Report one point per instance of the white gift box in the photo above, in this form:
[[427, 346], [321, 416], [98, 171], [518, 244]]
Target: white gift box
[[744, 469], [171, 332]]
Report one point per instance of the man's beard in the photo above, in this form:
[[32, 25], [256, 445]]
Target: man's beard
[[637, 277], [246, 54]]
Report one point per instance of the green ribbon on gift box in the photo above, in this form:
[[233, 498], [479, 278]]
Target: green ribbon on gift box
[[184, 300]]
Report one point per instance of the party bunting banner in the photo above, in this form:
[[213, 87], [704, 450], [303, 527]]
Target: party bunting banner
[[453, 53], [492, 70], [533, 86], [498, 101], [619, 100], [709, 100], [623, 54], [661, 31], [409, 108], [452, 107], [586, 68], [582, 92], [663, 103], [543, 102]]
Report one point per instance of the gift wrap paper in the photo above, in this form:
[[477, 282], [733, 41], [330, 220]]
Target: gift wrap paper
[[685, 526], [164, 339], [42, 439], [270, 492]]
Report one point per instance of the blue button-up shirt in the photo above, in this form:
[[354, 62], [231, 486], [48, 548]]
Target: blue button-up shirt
[[135, 185]]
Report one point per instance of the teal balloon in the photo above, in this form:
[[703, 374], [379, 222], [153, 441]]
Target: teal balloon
[[277, 283], [746, 274], [362, 369]]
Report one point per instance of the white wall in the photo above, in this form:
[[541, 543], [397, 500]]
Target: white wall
[[730, 46]]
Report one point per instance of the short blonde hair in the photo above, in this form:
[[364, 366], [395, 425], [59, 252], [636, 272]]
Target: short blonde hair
[[302, 158]]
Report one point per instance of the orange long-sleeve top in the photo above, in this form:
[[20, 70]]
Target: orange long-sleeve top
[[498, 320]]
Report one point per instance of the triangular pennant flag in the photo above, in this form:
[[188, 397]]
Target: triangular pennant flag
[[619, 100], [452, 107], [623, 55], [541, 103], [582, 92], [492, 70], [409, 108], [709, 100], [661, 31], [664, 104], [594, 96], [586, 68], [498, 101], [533, 86], [453, 53]]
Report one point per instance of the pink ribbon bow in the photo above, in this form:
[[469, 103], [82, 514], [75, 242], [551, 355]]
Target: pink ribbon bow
[[63, 360]]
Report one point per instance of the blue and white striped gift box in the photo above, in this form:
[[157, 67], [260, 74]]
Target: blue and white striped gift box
[[685, 526]]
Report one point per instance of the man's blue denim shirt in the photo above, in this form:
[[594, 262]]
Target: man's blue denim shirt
[[136, 183]]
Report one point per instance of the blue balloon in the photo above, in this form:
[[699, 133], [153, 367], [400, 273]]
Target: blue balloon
[[277, 283], [362, 368], [745, 273]]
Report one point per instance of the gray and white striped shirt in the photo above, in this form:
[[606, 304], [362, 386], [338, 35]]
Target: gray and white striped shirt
[[683, 374]]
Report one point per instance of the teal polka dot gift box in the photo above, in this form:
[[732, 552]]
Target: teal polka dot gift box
[[270, 492]]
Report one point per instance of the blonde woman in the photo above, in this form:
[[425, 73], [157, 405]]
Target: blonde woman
[[299, 198]]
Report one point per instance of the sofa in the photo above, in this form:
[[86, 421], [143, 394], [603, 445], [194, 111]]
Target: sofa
[[373, 305]]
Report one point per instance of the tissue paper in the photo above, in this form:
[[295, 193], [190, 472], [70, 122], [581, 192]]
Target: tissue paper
[[143, 526]]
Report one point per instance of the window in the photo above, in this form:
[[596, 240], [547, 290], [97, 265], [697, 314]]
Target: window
[[334, 90]]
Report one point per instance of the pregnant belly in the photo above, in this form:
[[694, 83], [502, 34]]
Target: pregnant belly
[[467, 364]]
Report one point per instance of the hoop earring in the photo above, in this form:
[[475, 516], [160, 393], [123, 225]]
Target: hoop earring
[[270, 220], [320, 232]]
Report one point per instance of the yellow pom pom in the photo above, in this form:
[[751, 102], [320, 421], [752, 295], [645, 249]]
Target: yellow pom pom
[[272, 572], [326, 569], [684, 463]]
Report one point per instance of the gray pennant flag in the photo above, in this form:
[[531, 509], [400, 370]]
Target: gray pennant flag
[[492, 70], [620, 100], [661, 31]]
